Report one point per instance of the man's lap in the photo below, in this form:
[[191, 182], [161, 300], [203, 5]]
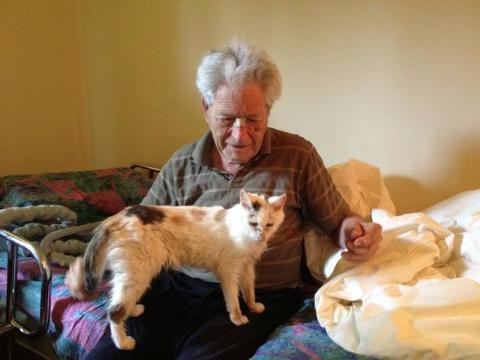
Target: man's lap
[[186, 318]]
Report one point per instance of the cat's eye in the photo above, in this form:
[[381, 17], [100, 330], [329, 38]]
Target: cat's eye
[[269, 224], [253, 224]]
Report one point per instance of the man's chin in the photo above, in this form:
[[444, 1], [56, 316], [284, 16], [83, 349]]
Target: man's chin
[[239, 157]]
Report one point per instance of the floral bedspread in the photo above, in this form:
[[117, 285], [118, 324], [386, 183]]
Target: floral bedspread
[[92, 195]]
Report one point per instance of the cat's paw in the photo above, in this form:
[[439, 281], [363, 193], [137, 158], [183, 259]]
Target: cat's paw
[[127, 343], [138, 310], [238, 319], [256, 308]]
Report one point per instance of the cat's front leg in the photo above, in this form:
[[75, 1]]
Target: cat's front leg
[[247, 286], [228, 281]]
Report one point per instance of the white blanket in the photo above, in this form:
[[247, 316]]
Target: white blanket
[[419, 297]]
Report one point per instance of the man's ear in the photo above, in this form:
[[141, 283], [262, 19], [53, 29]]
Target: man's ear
[[205, 106]]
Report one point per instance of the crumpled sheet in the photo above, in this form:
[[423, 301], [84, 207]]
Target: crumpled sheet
[[419, 297]]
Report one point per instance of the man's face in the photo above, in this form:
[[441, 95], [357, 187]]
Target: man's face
[[238, 121]]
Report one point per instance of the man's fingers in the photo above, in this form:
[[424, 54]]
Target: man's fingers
[[362, 242], [356, 232], [361, 253], [350, 256]]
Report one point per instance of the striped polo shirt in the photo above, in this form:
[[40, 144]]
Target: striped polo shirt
[[286, 163]]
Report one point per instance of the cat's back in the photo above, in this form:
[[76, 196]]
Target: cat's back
[[194, 214]]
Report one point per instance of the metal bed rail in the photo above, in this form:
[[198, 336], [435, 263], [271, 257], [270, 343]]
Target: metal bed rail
[[152, 170], [11, 323]]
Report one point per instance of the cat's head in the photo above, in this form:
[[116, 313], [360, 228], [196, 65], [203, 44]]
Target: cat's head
[[263, 215]]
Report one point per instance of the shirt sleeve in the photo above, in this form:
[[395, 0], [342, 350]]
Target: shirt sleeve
[[324, 205], [162, 191]]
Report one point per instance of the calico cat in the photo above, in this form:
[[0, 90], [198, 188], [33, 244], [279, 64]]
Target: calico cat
[[140, 241]]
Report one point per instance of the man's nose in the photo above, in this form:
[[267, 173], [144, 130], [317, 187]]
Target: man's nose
[[239, 128], [239, 122]]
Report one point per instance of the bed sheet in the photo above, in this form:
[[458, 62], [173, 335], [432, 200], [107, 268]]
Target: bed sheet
[[419, 297]]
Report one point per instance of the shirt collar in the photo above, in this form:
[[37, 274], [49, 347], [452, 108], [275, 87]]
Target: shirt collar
[[201, 152]]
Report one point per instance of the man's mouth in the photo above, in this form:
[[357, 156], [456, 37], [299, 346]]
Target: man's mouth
[[238, 146]]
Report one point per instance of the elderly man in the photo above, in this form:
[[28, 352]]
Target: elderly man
[[185, 315]]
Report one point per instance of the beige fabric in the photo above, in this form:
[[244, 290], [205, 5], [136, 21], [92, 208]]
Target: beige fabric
[[362, 187], [419, 298]]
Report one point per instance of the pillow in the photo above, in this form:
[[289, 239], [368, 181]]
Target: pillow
[[362, 187]]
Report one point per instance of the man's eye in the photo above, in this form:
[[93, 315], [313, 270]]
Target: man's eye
[[226, 121]]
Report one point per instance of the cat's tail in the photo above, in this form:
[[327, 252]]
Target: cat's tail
[[74, 280], [85, 273]]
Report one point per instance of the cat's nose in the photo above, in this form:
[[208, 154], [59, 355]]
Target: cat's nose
[[262, 236]]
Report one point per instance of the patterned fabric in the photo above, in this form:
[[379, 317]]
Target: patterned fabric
[[75, 326], [286, 163], [92, 195]]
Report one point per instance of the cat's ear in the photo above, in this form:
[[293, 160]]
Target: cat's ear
[[278, 202], [245, 199]]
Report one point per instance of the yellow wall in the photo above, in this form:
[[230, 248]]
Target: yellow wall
[[42, 120], [393, 83]]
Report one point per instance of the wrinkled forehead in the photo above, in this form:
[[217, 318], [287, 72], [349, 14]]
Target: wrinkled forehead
[[249, 98]]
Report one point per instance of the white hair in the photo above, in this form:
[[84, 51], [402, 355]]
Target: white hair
[[236, 65]]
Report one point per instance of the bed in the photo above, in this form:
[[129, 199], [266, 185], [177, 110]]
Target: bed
[[41, 318], [37, 313]]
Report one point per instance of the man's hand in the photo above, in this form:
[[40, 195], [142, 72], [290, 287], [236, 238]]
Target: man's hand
[[359, 239]]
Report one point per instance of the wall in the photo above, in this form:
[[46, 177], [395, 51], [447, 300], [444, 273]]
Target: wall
[[42, 118], [393, 83]]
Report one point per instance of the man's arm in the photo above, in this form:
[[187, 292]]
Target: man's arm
[[326, 207], [162, 191]]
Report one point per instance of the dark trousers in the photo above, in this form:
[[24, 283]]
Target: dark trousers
[[186, 319]]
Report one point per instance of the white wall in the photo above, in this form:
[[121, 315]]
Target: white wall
[[395, 83]]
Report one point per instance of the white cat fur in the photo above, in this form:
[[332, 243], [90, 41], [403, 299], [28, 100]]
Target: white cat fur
[[140, 241]]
